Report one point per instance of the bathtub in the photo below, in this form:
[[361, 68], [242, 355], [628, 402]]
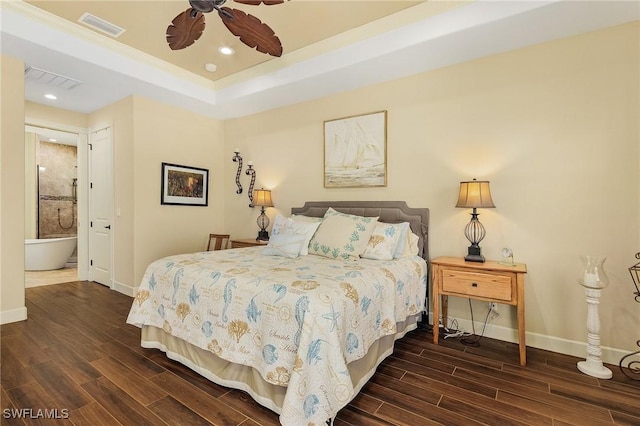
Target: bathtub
[[48, 253]]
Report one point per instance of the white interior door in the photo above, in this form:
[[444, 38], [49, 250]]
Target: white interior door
[[101, 207]]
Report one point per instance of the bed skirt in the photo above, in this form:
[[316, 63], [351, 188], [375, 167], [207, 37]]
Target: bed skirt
[[249, 380]]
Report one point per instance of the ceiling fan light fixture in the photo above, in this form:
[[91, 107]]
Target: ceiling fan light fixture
[[226, 50], [187, 27]]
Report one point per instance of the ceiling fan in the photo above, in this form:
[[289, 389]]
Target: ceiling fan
[[188, 26]]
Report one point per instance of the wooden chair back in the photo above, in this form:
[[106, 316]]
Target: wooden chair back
[[218, 242]]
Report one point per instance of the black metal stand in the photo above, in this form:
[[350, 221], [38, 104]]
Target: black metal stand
[[630, 364], [632, 369], [475, 232], [263, 222]]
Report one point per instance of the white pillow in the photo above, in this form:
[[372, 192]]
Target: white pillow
[[342, 236], [410, 247], [307, 229], [286, 244], [384, 241], [279, 223], [403, 238]]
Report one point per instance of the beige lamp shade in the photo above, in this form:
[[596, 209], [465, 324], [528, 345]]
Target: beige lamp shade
[[475, 194], [262, 197]]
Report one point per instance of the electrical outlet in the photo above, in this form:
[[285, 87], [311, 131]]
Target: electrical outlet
[[493, 310]]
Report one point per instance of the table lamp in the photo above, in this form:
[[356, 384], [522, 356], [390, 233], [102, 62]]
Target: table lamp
[[474, 194]]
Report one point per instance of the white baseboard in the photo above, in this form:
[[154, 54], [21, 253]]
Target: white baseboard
[[124, 289], [540, 341], [13, 315]]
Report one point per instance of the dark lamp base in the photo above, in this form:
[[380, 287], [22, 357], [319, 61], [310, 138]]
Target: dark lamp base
[[474, 258], [263, 236], [473, 254]]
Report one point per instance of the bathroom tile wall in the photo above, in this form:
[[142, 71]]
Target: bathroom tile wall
[[58, 169]]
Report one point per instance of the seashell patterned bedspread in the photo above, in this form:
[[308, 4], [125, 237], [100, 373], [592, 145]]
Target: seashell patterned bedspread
[[299, 322]]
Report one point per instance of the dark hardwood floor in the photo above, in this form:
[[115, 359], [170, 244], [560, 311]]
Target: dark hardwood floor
[[76, 358]]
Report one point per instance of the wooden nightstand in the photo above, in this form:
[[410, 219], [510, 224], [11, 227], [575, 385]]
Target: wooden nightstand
[[249, 242], [490, 281]]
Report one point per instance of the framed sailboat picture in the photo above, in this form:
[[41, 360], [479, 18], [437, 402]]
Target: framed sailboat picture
[[355, 151]]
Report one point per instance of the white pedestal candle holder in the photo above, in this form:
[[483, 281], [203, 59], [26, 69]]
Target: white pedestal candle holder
[[594, 280], [593, 364]]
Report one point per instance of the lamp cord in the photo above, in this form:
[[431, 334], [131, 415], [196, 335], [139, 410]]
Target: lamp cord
[[474, 340]]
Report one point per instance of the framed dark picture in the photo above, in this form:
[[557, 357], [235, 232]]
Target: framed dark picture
[[184, 185], [355, 151]]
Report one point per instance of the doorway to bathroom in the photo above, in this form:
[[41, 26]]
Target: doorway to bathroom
[[91, 199], [51, 206]]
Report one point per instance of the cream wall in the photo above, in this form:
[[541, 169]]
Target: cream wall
[[554, 127], [55, 118], [167, 134], [12, 303]]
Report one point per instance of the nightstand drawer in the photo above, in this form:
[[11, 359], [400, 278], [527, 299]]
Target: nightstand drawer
[[478, 284]]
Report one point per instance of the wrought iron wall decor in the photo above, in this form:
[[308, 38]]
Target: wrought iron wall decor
[[238, 159], [632, 360], [251, 172]]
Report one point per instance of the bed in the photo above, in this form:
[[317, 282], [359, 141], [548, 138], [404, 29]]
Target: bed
[[301, 335]]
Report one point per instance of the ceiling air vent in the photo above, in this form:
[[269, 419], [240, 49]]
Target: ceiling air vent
[[51, 79], [101, 25]]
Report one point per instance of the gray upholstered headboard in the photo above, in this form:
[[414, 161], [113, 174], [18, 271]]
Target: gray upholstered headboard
[[388, 211]]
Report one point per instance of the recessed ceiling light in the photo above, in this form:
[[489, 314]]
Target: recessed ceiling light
[[226, 50], [50, 96], [210, 67], [53, 140]]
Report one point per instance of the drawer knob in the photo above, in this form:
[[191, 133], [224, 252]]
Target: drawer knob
[[474, 284]]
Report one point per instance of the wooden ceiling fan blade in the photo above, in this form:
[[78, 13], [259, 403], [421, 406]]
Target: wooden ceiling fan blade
[[252, 32], [185, 29], [257, 2]]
